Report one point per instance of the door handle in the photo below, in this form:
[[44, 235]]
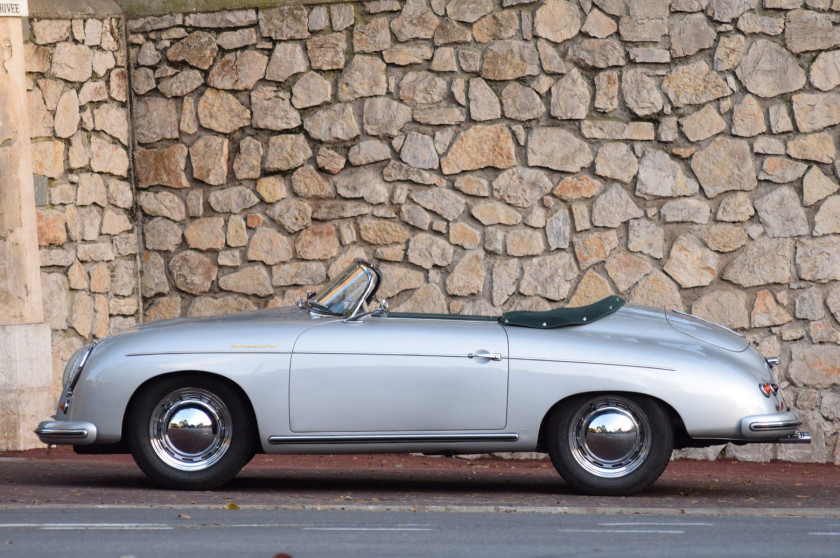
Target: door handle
[[484, 354]]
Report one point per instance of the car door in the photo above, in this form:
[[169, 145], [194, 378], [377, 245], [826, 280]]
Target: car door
[[383, 374]]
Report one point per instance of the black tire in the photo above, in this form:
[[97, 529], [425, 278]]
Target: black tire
[[214, 441], [623, 455]]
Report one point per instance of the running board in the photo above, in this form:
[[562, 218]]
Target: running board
[[393, 438]]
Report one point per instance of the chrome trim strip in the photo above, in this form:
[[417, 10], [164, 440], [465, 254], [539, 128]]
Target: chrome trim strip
[[646, 366], [774, 425], [211, 353], [392, 438], [391, 354], [59, 433], [681, 313]]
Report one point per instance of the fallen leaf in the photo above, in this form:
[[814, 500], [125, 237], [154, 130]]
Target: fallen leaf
[[802, 496], [184, 516], [231, 506]]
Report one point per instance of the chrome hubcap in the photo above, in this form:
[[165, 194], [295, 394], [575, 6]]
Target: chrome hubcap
[[609, 438], [190, 429]]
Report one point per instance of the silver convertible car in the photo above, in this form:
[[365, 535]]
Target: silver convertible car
[[608, 390]]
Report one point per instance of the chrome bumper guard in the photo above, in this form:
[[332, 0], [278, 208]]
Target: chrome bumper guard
[[796, 438], [773, 425], [66, 432], [778, 427]]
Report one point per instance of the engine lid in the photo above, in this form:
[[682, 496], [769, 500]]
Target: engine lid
[[706, 331]]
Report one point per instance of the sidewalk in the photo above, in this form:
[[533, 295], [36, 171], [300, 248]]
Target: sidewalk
[[65, 479]]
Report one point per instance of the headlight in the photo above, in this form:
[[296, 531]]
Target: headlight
[[75, 365]]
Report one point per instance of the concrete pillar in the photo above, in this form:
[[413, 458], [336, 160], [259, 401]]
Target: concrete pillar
[[25, 344]]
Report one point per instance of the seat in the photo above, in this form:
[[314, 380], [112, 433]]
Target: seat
[[562, 317]]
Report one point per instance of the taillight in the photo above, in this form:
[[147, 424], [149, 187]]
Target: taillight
[[768, 389]]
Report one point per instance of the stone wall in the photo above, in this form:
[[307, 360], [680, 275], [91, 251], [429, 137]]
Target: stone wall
[[78, 114], [490, 155]]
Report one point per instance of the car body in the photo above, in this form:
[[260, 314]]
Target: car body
[[607, 389]]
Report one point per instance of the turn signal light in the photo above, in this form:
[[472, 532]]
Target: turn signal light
[[768, 389]]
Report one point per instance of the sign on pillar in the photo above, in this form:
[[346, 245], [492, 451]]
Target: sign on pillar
[[14, 8]]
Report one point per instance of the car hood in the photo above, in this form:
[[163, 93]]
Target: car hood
[[706, 331], [272, 330]]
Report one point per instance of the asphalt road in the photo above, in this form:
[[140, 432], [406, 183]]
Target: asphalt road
[[154, 532], [61, 504]]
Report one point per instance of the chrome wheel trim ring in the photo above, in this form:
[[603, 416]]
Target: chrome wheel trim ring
[[609, 438], [190, 429]]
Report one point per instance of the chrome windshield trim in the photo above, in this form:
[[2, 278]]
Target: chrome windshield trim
[[372, 276], [371, 284], [318, 313], [392, 438]]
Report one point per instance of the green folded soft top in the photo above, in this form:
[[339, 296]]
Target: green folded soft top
[[561, 317]]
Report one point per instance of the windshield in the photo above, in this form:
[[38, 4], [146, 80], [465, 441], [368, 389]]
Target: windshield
[[343, 295]]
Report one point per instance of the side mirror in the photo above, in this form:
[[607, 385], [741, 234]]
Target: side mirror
[[381, 310]]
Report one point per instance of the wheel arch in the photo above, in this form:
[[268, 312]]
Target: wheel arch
[[681, 437], [192, 373]]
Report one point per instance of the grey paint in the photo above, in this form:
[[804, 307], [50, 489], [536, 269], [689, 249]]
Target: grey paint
[[635, 350]]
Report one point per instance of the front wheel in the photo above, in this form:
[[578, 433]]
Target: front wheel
[[610, 445], [190, 433]]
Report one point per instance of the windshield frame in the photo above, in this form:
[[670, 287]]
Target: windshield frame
[[315, 303]]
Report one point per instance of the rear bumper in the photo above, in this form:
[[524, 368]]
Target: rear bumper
[[66, 432], [778, 427]]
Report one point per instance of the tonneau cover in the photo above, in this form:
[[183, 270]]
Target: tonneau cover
[[561, 317]]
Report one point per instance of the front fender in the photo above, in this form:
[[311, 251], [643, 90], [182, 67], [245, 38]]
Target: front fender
[[107, 384]]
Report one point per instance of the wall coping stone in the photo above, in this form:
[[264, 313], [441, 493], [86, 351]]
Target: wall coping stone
[[50, 9], [139, 8]]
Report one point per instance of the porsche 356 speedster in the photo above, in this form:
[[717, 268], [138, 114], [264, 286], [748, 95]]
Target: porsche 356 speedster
[[608, 390]]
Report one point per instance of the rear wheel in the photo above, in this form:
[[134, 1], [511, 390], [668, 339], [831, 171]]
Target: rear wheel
[[610, 445], [190, 433]]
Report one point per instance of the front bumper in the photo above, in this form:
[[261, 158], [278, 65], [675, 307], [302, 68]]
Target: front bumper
[[66, 432], [778, 427]]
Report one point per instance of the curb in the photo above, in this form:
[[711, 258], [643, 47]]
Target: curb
[[547, 510]]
